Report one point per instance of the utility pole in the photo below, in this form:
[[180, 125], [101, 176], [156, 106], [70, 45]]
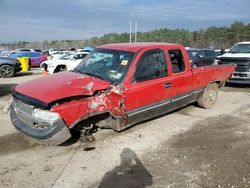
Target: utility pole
[[135, 31], [130, 31], [41, 43], [130, 34]]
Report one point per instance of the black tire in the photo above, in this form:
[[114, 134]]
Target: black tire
[[60, 69], [7, 71], [209, 96]]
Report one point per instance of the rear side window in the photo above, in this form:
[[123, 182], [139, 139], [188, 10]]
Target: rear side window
[[177, 61], [152, 65], [35, 54], [210, 53], [25, 54]]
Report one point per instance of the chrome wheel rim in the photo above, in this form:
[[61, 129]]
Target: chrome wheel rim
[[212, 96], [6, 71]]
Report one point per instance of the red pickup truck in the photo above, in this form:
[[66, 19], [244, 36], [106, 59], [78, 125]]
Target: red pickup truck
[[115, 86]]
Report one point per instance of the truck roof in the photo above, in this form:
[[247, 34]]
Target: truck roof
[[135, 47], [246, 42]]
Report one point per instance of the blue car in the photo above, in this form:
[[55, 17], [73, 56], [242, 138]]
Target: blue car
[[35, 57]]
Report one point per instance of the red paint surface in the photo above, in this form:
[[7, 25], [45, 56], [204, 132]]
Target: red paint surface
[[61, 85]]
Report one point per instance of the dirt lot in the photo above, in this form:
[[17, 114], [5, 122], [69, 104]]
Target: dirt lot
[[191, 147]]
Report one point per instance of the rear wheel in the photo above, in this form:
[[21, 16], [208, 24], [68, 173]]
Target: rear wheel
[[209, 96], [7, 71]]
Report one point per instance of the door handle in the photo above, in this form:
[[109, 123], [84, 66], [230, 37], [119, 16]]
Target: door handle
[[167, 85]]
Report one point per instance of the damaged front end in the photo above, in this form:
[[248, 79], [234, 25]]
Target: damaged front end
[[39, 125], [50, 122], [89, 96], [104, 109]]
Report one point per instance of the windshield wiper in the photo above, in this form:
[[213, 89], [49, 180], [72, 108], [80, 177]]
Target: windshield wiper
[[77, 70], [94, 75]]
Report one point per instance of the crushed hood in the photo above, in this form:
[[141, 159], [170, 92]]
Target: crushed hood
[[61, 85]]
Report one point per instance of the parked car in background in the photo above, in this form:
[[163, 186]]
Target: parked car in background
[[220, 52], [239, 54], [36, 50], [201, 57], [53, 51], [28, 50], [23, 50], [86, 49], [66, 62], [46, 52], [35, 57], [4, 53], [60, 54], [9, 67]]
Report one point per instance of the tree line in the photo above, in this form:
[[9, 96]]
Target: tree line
[[212, 37]]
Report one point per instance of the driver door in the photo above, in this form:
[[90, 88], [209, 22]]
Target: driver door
[[148, 92]]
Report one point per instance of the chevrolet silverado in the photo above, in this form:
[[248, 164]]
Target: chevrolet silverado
[[115, 86]]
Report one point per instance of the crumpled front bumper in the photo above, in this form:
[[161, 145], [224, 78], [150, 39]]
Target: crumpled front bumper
[[54, 135]]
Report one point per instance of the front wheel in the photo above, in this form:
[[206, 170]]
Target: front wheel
[[60, 69], [209, 96], [7, 71]]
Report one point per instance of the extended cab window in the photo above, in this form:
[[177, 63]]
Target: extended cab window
[[152, 65], [177, 61]]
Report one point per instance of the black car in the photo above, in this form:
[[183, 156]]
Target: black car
[[201, 57], [9, 67]]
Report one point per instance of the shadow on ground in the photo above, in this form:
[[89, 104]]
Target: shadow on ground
[[75, 136], [130, 173], [13, 143], [237, 87], [5, 89], [20, 74]]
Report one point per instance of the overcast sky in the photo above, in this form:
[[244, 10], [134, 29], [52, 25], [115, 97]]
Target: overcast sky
[[35, 20]]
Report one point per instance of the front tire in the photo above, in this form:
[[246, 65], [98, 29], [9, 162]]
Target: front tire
[[7, 71], [209, 96], [60, 69]]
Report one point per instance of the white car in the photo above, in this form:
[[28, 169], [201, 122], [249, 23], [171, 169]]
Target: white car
[[66, 62], [60, 54]]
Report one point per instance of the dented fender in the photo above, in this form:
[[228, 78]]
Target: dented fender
[[108, 101]]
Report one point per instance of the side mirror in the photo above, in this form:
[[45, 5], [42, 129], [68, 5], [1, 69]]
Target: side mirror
[[133, 79]]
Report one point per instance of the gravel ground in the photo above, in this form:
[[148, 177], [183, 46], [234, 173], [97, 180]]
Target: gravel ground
[[191, 147]]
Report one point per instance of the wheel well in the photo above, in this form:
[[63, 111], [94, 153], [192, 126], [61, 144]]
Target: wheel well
[[218, 82], [6, 64], [98, 119], [58, 67], [61, 66]]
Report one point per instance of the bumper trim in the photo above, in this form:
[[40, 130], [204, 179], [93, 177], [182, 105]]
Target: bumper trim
[[54, 135], [239, 81]]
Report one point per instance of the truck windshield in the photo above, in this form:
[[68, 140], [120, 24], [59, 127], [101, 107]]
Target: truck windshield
[[106, 64], [240, 48]]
